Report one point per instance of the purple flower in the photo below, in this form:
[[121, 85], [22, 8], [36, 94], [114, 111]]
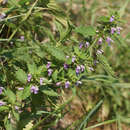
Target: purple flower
[[2, 103], [58, 83], [80, 45], [21, 88], [29, 77], [67, 84], [34, 89], [112, 18], [87, 44], [109, 40], [113, 30], [48, 65], [67, 57], [95, 62], [66, 66], [16, 107], [91, 69], [78, 69], [41, 81], [73, 59], [2, 15], [82, 68], [78, 83], [118, 30], [22, 38], [1, 90], [100, 41], [50, 72]]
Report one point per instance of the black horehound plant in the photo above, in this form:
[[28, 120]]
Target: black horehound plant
[[42, 55]]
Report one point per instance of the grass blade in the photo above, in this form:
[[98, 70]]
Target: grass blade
[[90, 114]]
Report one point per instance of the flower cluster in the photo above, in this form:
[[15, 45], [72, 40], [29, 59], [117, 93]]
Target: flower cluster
[[117, 30], [49, 69], [86, 45], [79, 69], [29, 77], [34, 89], [112, 18], [41, 81]]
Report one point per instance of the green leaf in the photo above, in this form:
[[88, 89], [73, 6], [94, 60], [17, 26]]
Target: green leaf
[[16, 115], [11, 96], [69, 61], [26, 92], [19, 95], [39, 52], [4, 108], [77, 51], [32, 68], [8, 124], [54, 75], [21, 76], [103, 19], [55, 52], [105, 64], [50, 92], [86, 31], [60, 28], [40, 69]]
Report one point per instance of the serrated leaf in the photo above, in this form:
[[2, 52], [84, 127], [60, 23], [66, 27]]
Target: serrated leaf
[[21, 76], [32, 68], [105, 64], [40, 69], [40, 52], [50, 92], [11, 96], [16, 115], [54, 75], [77, 51], [69, 61], [86, 31], [19, 95], [26, 92], [55, 52]]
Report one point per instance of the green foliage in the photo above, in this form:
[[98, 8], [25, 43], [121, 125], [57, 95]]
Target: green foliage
[[86, 31], [10, 96], [105, 64], [48, 50], [21, 76], [50, 93]]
